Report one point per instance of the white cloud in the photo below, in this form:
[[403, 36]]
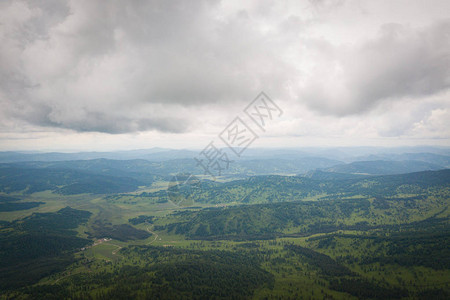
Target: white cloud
[[347, 69]]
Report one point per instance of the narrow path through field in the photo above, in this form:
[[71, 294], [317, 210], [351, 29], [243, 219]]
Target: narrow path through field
[[117, 250], [153, 233]]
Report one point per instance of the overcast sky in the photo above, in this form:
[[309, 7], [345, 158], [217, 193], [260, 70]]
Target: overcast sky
[[106, 75]]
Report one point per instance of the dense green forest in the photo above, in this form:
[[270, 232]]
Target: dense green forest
[[11, 204], [322, 235], [122, 232], [39, 245], [108, 177], [271, 189], [63, 181]]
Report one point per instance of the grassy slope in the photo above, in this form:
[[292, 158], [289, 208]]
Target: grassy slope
[[293, 274]]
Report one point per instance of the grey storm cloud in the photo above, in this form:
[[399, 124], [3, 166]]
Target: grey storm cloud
[[84, 64], [399, 63], [127, 66]]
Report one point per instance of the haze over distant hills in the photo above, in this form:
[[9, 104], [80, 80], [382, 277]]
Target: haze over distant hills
[[383, 167], [125, 171], [346, 154], [163, 161]]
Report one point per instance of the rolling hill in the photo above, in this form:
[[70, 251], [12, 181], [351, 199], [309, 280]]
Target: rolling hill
[[383, 167]]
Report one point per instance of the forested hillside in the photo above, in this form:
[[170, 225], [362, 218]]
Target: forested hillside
[[91, 231]]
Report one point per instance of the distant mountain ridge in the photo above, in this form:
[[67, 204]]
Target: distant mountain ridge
[[147, 165], [433, 158], [436, 155], [141, 168], [156, 154], [382, 167]]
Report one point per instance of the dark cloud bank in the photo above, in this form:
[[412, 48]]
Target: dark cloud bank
[[127, 66]]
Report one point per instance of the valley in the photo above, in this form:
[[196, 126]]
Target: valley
[[318, 235]]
